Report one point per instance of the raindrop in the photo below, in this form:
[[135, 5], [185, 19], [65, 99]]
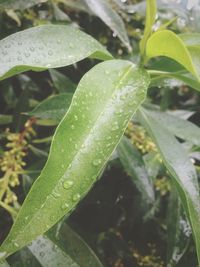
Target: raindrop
[[96, 162], [76, 197], [32, 48], [27, 54], [55, 194], [70, 45], [42, 254], [62, 150], [75, 117], [68, 184], [50, 53], [19, 58], [16, 244], [65, 206], [72, 127], [58, 41]]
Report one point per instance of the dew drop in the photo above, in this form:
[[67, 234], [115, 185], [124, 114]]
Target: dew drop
[[62, 150], [76, 197], [32, 48], [55, 194], [65, 206], [42, 254], [50, 53], [68, 184], [96, 162], [72, 127], [16, 244], [75, 117]]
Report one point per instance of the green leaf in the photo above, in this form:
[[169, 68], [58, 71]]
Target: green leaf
[[178, 230], [105, 100], [53, 108], [74, 246], [44, 47], [19, 4], [105, 12], [184, 129], [181, 169], [62, 82], [134, 166], [151, 10], [168, 44]]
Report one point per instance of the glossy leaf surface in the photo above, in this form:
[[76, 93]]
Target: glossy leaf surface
[[134, 166], [178, 230], [53, 108], [44, 47], [105, 100], [105, 12], [166, 43], [181, 169]]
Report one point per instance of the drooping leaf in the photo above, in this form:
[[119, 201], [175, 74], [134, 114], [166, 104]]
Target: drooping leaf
[[19, 4], [53, 108], [181, 169], [105, 100], [151, 10], [105, 12], [178, 230], [45, 47], [167, 43], [134, 166], [184, 129], [62, 83]]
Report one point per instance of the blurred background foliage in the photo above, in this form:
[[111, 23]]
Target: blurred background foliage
[[115, 219]]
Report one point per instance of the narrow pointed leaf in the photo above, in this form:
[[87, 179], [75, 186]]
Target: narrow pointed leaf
[[105, 100], [61, 82], [184, 129], [44, 47], [178, 230], [168, 44], [151, 10], [134, 166], [74, 246], [105, 12], [53, 108], [181, 169]]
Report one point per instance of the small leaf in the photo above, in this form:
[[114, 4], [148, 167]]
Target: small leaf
[[62, 82], [52, 108], [184, 129], [181, 169], [134, 166], [151, 10], [178, 230], [168, 44], [44, 47], [105, 100], [105, 12]]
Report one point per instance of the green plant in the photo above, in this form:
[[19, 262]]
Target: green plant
[[104, 102]]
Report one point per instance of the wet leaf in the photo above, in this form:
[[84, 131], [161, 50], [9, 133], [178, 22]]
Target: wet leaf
[[178, 230], [105, 100], [45, 47], [181, 169], [134, 166], [105, 12]]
